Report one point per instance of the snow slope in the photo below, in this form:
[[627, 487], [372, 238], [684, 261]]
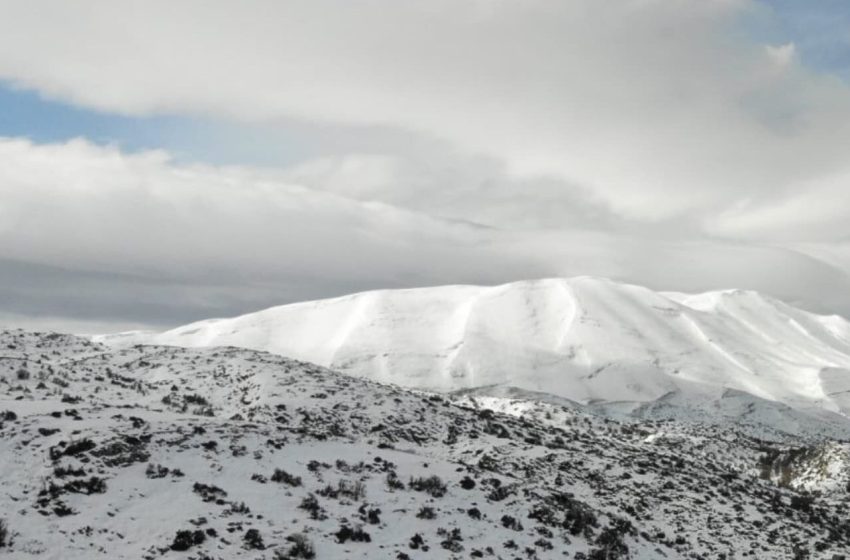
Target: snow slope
[[590, 340], [153, 452]]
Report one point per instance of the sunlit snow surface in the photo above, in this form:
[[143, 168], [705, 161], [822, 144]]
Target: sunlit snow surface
[[594, 341]]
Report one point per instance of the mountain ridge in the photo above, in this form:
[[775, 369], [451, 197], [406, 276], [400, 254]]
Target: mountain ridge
[[586, 339]]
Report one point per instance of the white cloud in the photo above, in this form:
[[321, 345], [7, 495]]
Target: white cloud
[[100, 236], [782, 55], [662, 110], [484, 141]]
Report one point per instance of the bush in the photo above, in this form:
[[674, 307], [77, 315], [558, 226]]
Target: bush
[[346, 533], [184, 540], [196, 400], [801, 553], [370, 516], [510, 522], [311, 505], [72, 449], [433, 485], [156, 471], [545, 515], [210, 493], [254, 540], [301, 548], [5, 540], [94, 485], [63, 471], [395, 483], [239, 508], [426, 512], [610, 545], [802, 502], [500, 492], [353, 490], [284, 477], [452, 541]]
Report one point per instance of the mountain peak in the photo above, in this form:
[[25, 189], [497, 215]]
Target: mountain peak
[[587, 339]]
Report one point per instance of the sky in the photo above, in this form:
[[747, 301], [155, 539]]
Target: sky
[[163, 162]]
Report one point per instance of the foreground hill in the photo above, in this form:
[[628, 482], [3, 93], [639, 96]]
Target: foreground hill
[[164, 452], [596, 342]]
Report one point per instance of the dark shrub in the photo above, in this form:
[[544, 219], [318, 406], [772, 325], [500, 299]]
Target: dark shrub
[[311, 505], [433, 485], [284, 477], [467, 483], [354, 490], [544, 514], [184, 540], [62, 509], [209, 493], [609, 545], [426, 512], [500, 493], [346, 533], [510, 522], [62, 472], [196, 400], [544, 544], [802, 502], [801, 553], [394, 482], [370, 516], [94, 485], [239, 508], [452, 541], [72, 449], [156, 471], [301, 548], [254, 540]]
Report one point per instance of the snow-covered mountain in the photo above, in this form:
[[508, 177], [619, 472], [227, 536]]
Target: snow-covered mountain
[[163, 452], [596, 342]]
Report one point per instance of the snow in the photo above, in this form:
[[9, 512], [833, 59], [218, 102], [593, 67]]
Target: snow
[[228, 417], [586, 339]]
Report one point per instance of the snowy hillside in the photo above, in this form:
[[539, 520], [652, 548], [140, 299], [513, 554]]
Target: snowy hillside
[[164, 452], [593, 341]]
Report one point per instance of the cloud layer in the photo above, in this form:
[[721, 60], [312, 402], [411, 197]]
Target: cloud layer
[[90, 233], [459, 141], [660, 108]]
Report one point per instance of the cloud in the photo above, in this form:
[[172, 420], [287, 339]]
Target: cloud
[[444, 184], [420, 142], [661, 110], [782, 55], [104, 239]]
